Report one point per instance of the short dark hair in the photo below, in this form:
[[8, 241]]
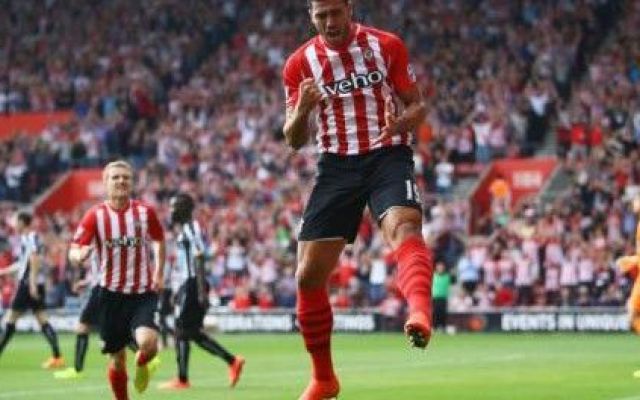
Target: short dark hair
[[24, 217], [183, 206], [311, 1]]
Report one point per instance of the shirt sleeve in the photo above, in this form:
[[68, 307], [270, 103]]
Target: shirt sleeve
[[401, 73], [155, 228], [292, 75], [85, 232], [198, 237]]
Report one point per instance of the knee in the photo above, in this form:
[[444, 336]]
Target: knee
[[119, 361], [303, 277], [307, 278], [82, 329], [403, 230], [149, 344], [401, 224]]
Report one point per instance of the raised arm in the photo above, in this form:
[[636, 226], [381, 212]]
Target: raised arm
[[297, 127]]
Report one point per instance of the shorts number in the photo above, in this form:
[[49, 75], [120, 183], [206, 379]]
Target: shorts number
[[412, 191]]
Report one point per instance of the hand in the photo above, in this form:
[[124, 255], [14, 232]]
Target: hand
[[33, 291], [390, 121], [310, 95], [79, 286], [85, 252]]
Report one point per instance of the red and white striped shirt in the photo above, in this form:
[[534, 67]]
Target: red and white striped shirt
[[121, 239], [354, 80]]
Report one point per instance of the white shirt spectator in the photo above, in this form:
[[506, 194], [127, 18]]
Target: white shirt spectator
[[525, 271], [236, 260], [568, 273], [444, 174], [506, 270], [585, 270], [552, 279], [491, 271], [478, 255], [378, 273]]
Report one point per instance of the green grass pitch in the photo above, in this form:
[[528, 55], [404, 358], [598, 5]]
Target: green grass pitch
[[371, 367]]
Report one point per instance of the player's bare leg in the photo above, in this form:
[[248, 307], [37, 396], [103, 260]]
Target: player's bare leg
[[147, 340], [316, 261], [117, 374], [402, 229]]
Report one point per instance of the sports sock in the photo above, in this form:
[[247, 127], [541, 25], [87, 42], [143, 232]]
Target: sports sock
[[182, 353], [82, 343], [315, 320], [52, 338], [213, 347], [415, 273], [118, 381], [9, 330]]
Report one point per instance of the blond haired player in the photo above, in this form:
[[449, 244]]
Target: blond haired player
[[123, 231]]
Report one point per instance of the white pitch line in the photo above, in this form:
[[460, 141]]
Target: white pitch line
[[267, 374], [24, 393]]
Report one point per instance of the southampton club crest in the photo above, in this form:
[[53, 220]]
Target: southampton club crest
[[368, 54]]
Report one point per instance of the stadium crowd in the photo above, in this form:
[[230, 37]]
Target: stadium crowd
[[191, 94]]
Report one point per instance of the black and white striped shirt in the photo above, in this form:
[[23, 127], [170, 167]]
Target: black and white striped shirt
[[29, 244], [189, 243]]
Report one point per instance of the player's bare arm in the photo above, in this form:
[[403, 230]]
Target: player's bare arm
[[9, 270], [34, 263], [296, 127], [79, 254], [414, 113], [159, 253]]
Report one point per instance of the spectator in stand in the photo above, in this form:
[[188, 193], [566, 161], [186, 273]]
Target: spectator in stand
[[500, 191], [468, 273], [440, 293]]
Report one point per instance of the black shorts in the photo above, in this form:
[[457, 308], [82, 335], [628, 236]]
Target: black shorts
[[189, 312], [91, 309], [381, 179], [121, 314], [22, 300]]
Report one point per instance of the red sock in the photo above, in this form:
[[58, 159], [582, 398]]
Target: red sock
[[415, 273], [141, 359], [118, 380], [316, 322]]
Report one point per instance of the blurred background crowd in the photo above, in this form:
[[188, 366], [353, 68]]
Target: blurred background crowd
[[190, 92]]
